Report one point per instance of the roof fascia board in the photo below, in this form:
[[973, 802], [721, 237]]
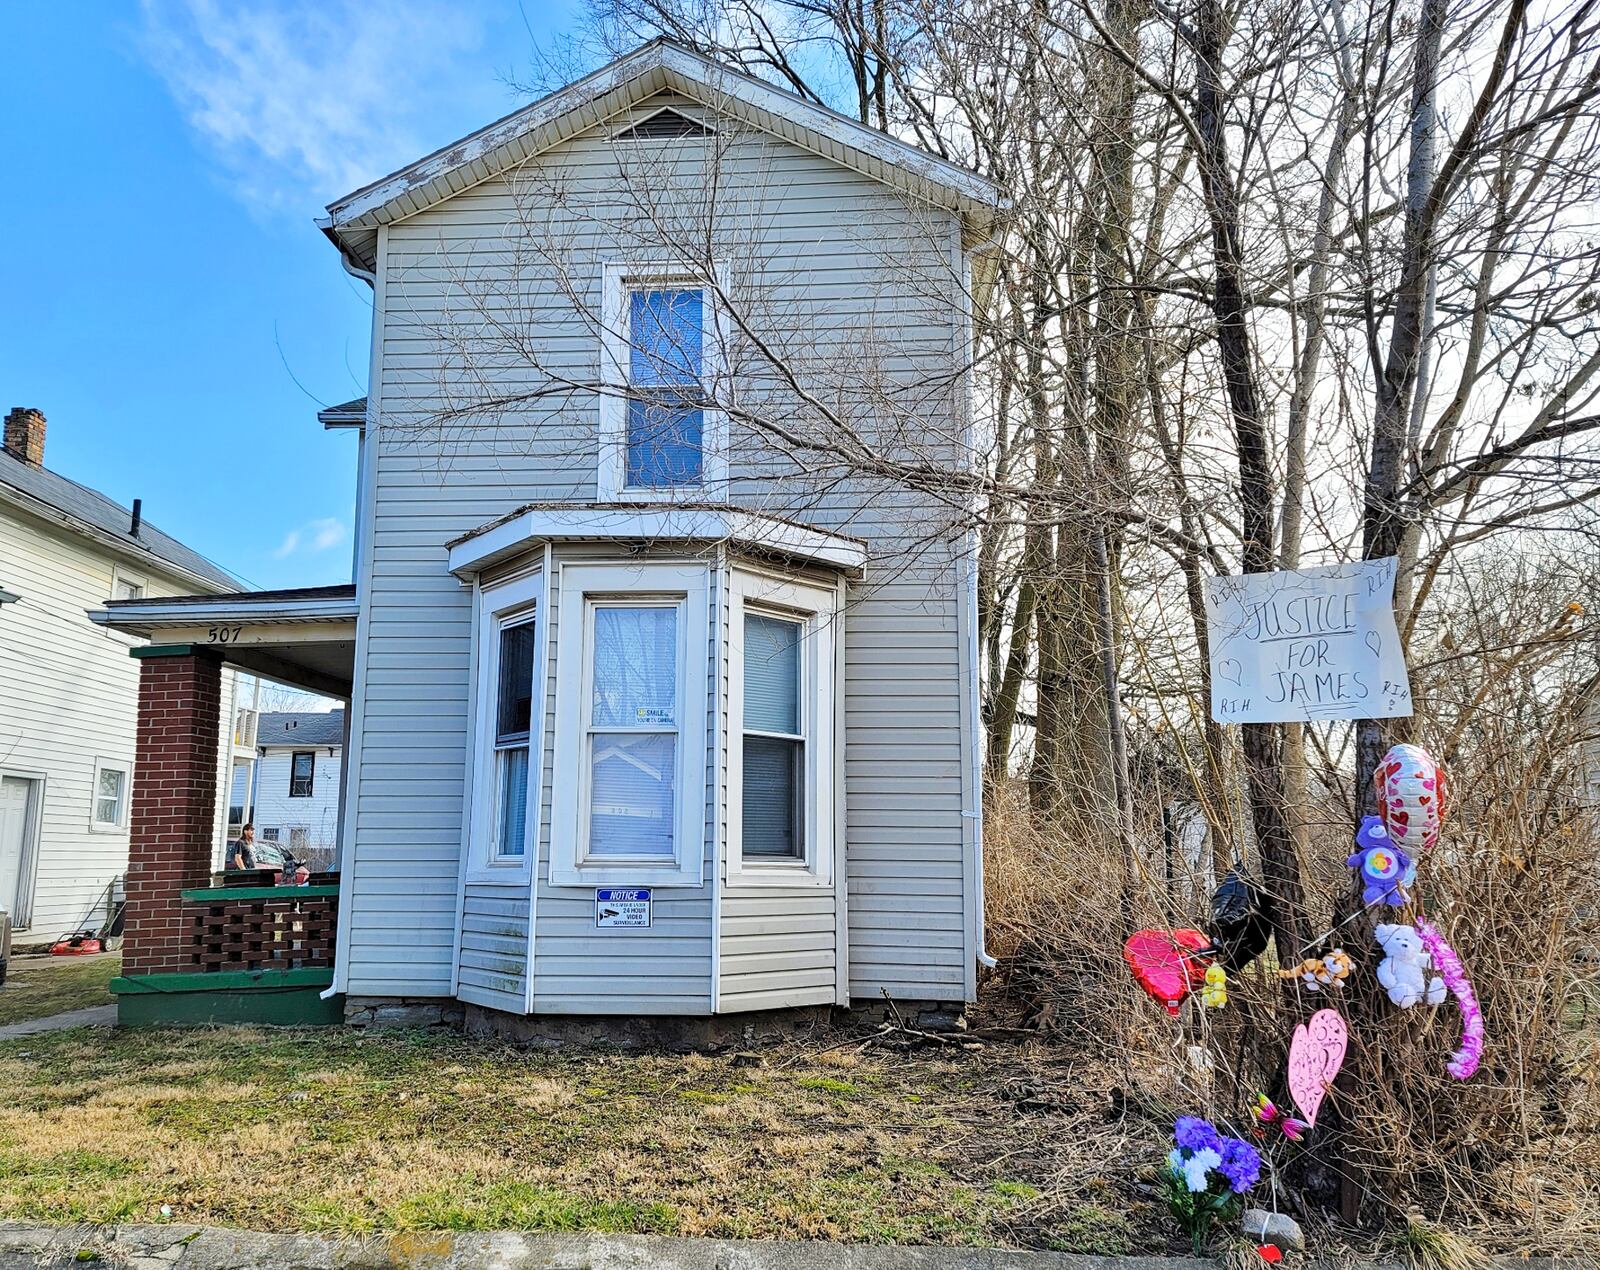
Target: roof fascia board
[[137, 554], [630, 79], [500, 541], [146, 616]]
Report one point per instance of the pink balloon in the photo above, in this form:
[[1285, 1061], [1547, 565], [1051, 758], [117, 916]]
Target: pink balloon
[[1315, 1056], [1411, 796]]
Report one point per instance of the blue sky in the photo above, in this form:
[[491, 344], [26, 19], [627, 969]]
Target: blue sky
[[164, 296]]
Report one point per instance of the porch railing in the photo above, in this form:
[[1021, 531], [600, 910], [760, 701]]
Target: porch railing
[[256, 927]]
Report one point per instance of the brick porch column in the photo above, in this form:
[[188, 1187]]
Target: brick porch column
[[174, 801]]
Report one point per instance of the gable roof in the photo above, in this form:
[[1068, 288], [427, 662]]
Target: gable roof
[[90, 513], [301, 729], [659, 66]]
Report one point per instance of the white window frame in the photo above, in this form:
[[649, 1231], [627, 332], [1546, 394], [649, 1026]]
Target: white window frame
[[119, 574], [125, 803], [580, 586], [617, 282], [311, 779], [817, 608], [502, 604]]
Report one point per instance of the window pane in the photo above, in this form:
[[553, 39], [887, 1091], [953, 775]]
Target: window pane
[[630, 796], [665, 331], [635, 668], [105, 811], [516, 682], [771, 674], [302, 768], [774, 771], [664, 444], [665, 360], [110, 784], [512, 822]]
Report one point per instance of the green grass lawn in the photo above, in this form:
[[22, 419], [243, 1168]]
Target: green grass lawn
[[341, 1131], [41, 986]]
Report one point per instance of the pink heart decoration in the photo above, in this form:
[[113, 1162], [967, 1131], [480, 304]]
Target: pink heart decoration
[[1315, 1055]]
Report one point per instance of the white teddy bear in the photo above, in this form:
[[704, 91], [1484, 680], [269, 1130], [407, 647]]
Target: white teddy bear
[[1404, 969]]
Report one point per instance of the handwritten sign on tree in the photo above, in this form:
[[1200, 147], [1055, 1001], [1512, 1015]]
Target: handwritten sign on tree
[[1306, 644]]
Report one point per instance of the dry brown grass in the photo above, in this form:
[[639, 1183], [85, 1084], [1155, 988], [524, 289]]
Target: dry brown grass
[[344, 1132], [1509, 1161]]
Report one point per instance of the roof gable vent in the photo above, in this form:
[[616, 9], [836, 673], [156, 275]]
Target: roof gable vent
[[666, 124]]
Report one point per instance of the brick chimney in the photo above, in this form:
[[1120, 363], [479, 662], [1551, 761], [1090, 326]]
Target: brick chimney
[[25, 434]]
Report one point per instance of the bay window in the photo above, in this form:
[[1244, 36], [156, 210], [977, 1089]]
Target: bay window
[[628, 803], [782, 643], [509, 685]]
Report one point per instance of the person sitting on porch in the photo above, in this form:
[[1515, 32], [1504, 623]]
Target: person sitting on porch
[[241, 854]]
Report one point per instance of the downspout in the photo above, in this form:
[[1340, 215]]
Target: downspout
[[347, 772], [974, 699]]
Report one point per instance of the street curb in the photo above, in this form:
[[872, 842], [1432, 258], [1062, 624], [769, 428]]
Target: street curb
[[25, 1246], [34, 1247]]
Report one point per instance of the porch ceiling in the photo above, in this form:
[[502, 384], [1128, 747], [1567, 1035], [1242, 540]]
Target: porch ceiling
[[304, 637]]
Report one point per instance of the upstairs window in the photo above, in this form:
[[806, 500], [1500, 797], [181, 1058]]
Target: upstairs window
[[126, 586], [302, 773], [666, 362], [662, 357]]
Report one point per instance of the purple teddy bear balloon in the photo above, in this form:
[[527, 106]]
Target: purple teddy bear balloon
[[1386, 870]]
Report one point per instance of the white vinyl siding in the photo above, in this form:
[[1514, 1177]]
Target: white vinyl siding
[[318, 815], [69, 695], [825, 243]]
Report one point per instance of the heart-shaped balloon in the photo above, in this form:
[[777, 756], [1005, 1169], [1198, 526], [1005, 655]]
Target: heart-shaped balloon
[[1164, 963], [1315, 1055]]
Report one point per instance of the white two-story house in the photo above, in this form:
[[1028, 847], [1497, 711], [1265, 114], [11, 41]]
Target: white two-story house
[[68, 690], [661, 646]]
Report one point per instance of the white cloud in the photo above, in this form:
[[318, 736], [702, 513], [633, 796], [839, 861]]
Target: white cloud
[[310, 538], [306, 100]]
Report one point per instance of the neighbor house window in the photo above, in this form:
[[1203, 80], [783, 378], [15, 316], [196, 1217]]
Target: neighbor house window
[[302, 771], [110, 804], [126, 586], [269, 835], [783, 638], [629, 796], [298, 839], [665, 396], [659, 435], [774, 754], [509, 725], [513, 726]]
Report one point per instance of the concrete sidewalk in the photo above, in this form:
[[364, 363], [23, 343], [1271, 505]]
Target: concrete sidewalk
[[28, 1247], [93, 1016]]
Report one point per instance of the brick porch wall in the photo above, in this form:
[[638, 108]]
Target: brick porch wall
[[174, 803]]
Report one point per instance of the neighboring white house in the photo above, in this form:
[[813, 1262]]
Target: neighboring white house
[[295, 796], [68, 689], [654, 711]]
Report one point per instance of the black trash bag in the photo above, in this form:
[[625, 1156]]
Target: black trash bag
[[1240, 925]]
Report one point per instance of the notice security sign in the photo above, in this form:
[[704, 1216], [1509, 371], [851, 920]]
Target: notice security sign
[[621, 906]]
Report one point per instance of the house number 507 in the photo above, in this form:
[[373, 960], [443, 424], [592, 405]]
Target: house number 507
[[223, 634]]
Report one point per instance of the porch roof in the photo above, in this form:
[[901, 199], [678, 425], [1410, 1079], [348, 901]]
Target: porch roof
[[634, 523], [305, 636]]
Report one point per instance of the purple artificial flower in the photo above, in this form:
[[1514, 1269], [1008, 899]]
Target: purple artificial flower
[[1241, 1164], [1195, 1134]]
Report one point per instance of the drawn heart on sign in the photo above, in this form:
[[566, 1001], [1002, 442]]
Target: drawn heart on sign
[[1230, 669], [1375, 642], [1315, 1055]]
